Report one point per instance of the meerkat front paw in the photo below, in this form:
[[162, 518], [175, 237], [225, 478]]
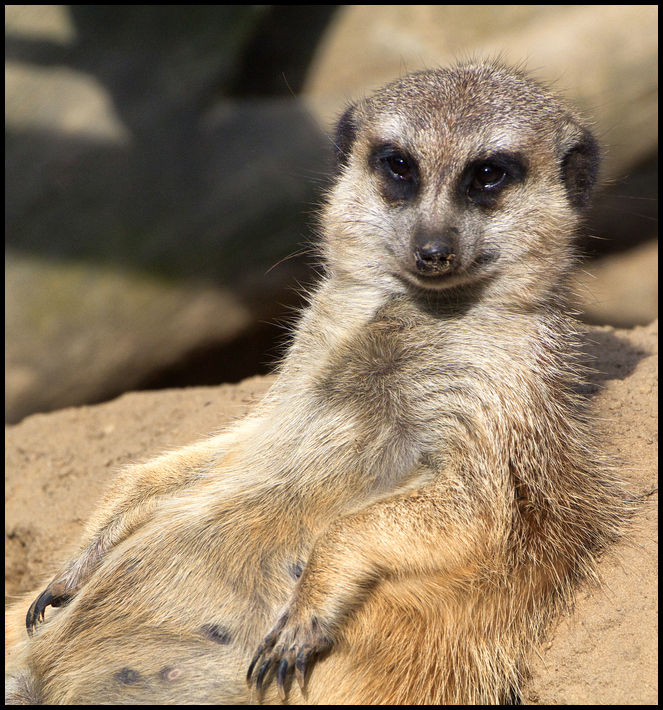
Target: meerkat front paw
[[56, 594], [291, 645]]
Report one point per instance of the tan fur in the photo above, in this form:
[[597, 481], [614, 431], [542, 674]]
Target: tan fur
[[422, 456]]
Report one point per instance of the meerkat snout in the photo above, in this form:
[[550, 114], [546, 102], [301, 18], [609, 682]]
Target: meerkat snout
[[435, 255], [442, 259]]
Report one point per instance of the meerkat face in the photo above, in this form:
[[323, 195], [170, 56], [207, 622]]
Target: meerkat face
[[448, 176]]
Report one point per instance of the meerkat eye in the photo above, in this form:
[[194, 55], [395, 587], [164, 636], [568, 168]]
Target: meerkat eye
[[488, 176], [399, 166], [484, 181], [397, 173]]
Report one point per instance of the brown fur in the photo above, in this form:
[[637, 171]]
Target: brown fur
[[419, 493]]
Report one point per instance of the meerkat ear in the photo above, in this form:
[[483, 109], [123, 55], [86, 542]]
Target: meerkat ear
[[580, 167], [345, 135]]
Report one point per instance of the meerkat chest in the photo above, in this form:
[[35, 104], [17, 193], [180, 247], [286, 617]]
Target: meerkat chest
[[384, 373]]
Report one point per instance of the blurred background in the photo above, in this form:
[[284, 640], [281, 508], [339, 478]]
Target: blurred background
[[164, 164]]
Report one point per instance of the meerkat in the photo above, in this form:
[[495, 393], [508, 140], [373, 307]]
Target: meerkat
[[419, 493]]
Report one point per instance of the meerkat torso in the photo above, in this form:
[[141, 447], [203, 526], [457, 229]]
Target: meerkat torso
[[418, 494]]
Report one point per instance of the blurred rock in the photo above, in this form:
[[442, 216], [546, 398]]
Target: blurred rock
[[147, 215]]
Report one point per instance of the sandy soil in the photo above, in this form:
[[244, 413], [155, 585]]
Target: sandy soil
[[606, 652]]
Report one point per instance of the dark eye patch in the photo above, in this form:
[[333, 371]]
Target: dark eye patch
[[397, 171], [485, 179]]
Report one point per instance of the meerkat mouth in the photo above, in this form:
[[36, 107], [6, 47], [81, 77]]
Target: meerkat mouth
[[448, 272], [442, 281]]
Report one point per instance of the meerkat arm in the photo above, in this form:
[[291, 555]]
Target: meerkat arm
[[395, 538], [129, 503]]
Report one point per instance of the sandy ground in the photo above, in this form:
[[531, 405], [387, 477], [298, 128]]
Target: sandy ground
[[606, 652]]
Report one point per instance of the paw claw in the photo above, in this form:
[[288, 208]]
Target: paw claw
[[281, 675], [54, 595], [261, 674], [300, 667], [259, 653]]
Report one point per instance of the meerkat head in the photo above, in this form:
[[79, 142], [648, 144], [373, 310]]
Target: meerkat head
[[451, 177]]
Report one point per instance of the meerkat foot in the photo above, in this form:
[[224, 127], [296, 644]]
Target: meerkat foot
[[54, 595], [289, 647]]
